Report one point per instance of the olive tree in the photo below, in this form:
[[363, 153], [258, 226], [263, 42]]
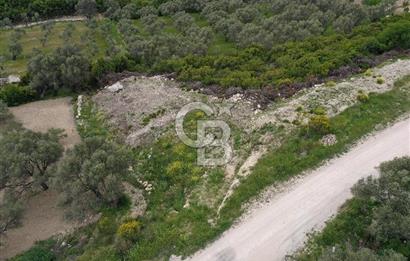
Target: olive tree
[[5, 22], [91, 176], [171, 7], [66, 67], [247, 14], [4, 112], [26, 157], [68, 33], [112, 9], [129, 11], [183, 21], [11, 211], [152, 24], [14, 46], [47, 29], [147, 10]]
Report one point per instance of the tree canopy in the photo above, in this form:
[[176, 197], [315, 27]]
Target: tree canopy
[[91, 175]]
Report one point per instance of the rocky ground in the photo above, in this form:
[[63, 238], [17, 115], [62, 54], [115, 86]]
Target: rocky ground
[[333, 97], [145, 107]]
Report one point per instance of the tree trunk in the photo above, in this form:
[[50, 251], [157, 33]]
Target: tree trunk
[[44, 186]]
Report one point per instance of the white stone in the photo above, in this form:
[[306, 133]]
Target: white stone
[[328, 140], [116, 87]]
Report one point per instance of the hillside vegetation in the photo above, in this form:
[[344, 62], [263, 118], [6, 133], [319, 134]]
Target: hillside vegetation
[[270, 45], [268, 49], [371, 226]]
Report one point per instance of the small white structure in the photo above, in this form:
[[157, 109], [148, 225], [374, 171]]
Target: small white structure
[[13, 79], [10, 80]]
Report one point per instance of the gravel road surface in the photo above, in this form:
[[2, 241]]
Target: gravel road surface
[[278, 228]]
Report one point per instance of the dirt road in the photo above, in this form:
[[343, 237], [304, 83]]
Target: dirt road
[[280, 227], [56, 20]]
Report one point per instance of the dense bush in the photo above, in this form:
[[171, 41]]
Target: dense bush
[[25, 10], [115, 64], [36, 253], [14, 95], [362, 96], [293, 62]]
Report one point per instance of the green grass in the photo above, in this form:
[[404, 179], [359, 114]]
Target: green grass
[[296, 155], [354, 225], [351, 222], [31, 40], [169, 228], [301, 152], [93, 123]]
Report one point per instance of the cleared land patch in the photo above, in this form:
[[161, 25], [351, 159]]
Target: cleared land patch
[[43, 115]]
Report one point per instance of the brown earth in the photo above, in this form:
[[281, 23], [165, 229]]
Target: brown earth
[[43, 115], [42, 218]]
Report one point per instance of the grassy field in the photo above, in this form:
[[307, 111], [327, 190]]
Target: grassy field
[[31, 40]]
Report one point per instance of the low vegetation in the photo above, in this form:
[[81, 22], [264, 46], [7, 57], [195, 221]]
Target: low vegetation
[[276, 47], [301, 151], [192, 39], [171, 227]]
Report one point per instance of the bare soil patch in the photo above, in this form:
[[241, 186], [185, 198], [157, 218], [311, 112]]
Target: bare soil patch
[[42, 219], [43, 115]]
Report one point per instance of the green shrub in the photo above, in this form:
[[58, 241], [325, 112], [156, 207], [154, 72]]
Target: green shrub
[[36, 253], [319, 124], [368, 72], [330, 84], [102, 253], [299, 109], [129, 230], [380, 80], [105, 226], [362, 96], [14, 95], [319, 111]]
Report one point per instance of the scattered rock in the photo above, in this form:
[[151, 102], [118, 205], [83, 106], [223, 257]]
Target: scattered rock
[[175, 258], [138, 203], [79, 105], [328, 140], [11, 79], [116, 87]]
